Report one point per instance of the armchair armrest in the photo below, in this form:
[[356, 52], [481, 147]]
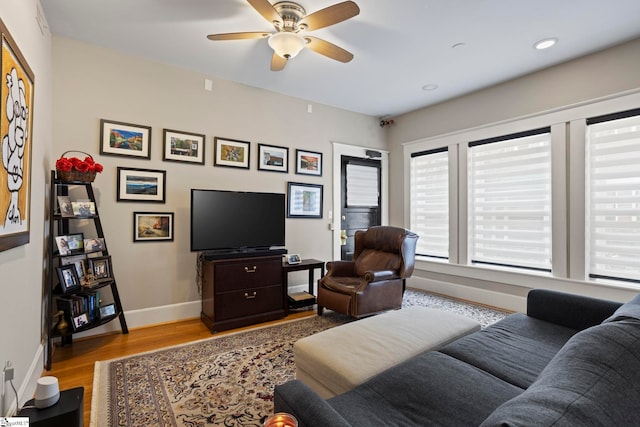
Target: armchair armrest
[[296, 398], [341, 268], [376, 276], [570, 310]]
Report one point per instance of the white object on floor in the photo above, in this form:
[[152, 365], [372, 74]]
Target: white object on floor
[[334, 361]]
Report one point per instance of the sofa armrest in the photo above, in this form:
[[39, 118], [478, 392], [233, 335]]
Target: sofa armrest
[[376, 276], [296, 398], [569, 310], [341, 268]]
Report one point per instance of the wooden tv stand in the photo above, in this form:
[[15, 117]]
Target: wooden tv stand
[[242, 291]]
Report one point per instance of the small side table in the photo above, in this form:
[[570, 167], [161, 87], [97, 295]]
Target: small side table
[[306, 264], [68, 412]]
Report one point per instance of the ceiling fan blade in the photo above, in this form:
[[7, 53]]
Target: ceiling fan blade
[[266, 9], [330, 15], [238, 36], [277, 62], [327, 49]]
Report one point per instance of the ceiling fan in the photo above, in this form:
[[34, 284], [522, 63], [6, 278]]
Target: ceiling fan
[[291, 23]]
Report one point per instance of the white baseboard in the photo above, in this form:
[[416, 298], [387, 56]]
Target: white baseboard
[[482, 296]]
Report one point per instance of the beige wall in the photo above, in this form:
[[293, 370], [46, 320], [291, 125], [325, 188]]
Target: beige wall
[[91, 83], [21, 268], [583, 82]]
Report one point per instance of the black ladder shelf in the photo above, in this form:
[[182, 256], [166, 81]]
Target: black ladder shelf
[[59, 225]]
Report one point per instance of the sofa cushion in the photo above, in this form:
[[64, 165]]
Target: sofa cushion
[[629, 310], [594, 380], [515, 349], [428, 390]]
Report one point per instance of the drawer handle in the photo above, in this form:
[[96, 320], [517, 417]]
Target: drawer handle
[[247, 296], [252, 270]]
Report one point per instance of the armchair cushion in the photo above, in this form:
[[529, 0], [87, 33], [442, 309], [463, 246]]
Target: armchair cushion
[[373, 260]]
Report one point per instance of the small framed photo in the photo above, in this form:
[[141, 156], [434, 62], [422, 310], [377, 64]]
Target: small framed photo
[[141, 185], [293, 259], [304, 200], [152, 226], [80, 321], [69, 244], [125, 139], [308, 163], [107, 310], [100, 267], [83, 208], [272, 158], [66, 209], [94, 245], [79, 262], [69, 280], [183, 147], [231, 152]]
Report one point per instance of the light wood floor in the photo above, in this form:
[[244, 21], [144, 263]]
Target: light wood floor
[[73, 365]]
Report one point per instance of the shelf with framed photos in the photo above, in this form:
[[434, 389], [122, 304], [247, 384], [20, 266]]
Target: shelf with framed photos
[[81, 288]]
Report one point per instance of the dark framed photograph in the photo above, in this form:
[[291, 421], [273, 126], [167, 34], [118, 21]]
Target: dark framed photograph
[[184, 147], [68, 276], [273, 158], [231, 152], [100, 267], [64, 204], [94, 245], [141, 185], [80, 321], [107, 310], [308, 163], [152, 226], [70, 243], [304, 200], [16, 122], [125, 139]]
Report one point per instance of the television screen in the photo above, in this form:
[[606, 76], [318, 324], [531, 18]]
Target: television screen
[[233, 220]]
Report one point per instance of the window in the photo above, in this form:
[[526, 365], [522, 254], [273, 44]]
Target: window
[[613, 207], [509, 200], [430, 202]]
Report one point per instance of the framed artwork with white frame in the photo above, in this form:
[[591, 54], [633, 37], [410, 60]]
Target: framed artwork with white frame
[[231, 152], [152, 226], [125, 139], [273, 158], [184, 147], [308, 163], [141, 185], [304, 200]]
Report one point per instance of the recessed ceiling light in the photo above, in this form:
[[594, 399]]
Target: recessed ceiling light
[[430, 86], [545, 43]]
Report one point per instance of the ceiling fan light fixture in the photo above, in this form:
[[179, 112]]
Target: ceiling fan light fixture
[[286, 45]]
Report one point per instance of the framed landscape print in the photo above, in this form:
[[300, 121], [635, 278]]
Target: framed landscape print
[[125, 139], [141, 185], [152, 226], [308, 163], [16, 124], [183, 147], [272, 158], [231, 152], [304, 200]]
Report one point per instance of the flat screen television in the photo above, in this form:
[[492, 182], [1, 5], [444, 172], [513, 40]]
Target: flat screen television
[[232, 221]]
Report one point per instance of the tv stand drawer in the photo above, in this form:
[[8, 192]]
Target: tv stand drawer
[[247, 302], [247, 273]]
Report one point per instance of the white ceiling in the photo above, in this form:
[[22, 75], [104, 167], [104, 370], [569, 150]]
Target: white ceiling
[[399, 46]]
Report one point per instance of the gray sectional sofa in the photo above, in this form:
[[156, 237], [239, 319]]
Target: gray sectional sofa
[[570, 361]]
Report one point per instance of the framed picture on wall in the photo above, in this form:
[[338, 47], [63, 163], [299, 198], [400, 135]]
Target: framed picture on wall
[[16, 123], [231, 152], [304, 200], [308, 163], [152, 226], [141, 185], [273, 158], [125, 139], [183, 147]]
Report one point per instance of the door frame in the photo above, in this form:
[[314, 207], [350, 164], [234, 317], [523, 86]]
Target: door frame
[[339, 150]]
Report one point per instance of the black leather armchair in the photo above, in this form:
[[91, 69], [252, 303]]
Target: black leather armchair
[[375, 280]]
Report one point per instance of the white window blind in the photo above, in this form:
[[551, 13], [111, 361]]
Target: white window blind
[[509, 185], [613, 168], [362, 186], [430, 202]]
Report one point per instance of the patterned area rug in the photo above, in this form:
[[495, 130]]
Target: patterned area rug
[[221, 381]]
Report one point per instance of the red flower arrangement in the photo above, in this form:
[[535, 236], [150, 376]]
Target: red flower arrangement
[[73, 169]]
